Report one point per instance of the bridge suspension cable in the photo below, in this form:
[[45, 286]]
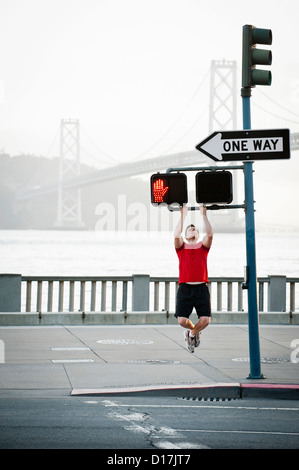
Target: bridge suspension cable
[[98, 159], [275, 115], [187, 132], [158, 141], [279, 104], [175, 122]]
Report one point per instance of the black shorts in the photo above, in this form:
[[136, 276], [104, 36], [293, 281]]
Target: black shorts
[[191, 296]]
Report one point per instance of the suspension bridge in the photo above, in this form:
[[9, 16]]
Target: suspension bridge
[[222, 115]]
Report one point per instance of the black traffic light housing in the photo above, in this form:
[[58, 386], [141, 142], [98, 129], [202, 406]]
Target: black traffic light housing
[[169, 188], [252, 56], [214, 187]]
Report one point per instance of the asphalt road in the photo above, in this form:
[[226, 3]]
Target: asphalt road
[[30, 421]]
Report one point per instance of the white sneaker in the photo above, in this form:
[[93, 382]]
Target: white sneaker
[[189, 342]]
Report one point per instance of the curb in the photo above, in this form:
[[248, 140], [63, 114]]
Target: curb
[[280, 391], [218, 390]]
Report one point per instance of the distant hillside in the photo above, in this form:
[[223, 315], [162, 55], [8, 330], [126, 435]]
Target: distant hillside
[[27, 171]]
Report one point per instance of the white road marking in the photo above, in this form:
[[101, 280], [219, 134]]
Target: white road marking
[[212, 406], [155, 433], [240, 432], [180, 445], [110, 403], [59, 361], [175, 433], [129, 418], [167, 445]]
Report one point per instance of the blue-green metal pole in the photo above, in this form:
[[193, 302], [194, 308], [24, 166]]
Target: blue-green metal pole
[[253, 322]]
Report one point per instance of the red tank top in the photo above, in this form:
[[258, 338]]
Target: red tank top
[[193, 263]]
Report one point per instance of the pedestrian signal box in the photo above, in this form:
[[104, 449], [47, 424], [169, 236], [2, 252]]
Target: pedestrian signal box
[[169, 188], [214, 187]]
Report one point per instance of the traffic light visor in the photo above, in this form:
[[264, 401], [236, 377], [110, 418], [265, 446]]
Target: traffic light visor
[[214, 187], [261, 36]]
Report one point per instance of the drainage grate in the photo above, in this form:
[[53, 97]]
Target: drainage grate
[[210, 398]]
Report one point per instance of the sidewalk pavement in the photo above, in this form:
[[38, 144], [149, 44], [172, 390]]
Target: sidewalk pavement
[[147, 359]]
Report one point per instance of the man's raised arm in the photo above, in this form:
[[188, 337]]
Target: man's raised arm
[[178, 239], [208, 238]]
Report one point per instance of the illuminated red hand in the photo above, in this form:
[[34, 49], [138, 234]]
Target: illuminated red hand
[[159, 190]]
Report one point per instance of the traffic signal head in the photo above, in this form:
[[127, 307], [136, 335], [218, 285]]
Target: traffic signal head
[[252, 56], [169, 188], [214, 187]]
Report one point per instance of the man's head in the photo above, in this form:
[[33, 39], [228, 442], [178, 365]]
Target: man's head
[[191, 233]]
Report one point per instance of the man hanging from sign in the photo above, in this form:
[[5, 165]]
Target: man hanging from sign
[[193, 291]]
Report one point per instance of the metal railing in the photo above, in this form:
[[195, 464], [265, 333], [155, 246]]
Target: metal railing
[[72, 293], [117, 293]]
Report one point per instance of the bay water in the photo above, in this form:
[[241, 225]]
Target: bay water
[[95, 253], [124, 253]]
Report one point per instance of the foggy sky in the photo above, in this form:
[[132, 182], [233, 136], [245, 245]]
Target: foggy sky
[[128, 71]]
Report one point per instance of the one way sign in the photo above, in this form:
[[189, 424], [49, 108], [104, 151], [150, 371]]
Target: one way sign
[[271, 144]]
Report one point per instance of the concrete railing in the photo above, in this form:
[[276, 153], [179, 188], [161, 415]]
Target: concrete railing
[[136, 293]]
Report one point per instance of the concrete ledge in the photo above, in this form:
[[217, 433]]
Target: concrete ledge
[[229, 317], [265, 318], [86, 318], [136, 318], [279, 318]]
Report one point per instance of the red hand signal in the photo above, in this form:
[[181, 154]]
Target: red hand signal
[[159, 191]]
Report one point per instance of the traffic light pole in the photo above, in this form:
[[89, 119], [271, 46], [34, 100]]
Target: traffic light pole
[[253, 322]]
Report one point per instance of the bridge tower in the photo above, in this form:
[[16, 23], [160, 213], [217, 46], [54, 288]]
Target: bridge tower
[[223, 95], [223, 116], [69, 199]]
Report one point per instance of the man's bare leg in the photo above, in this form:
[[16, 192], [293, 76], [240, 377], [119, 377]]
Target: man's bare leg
[[202, 323], [186, 323]]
